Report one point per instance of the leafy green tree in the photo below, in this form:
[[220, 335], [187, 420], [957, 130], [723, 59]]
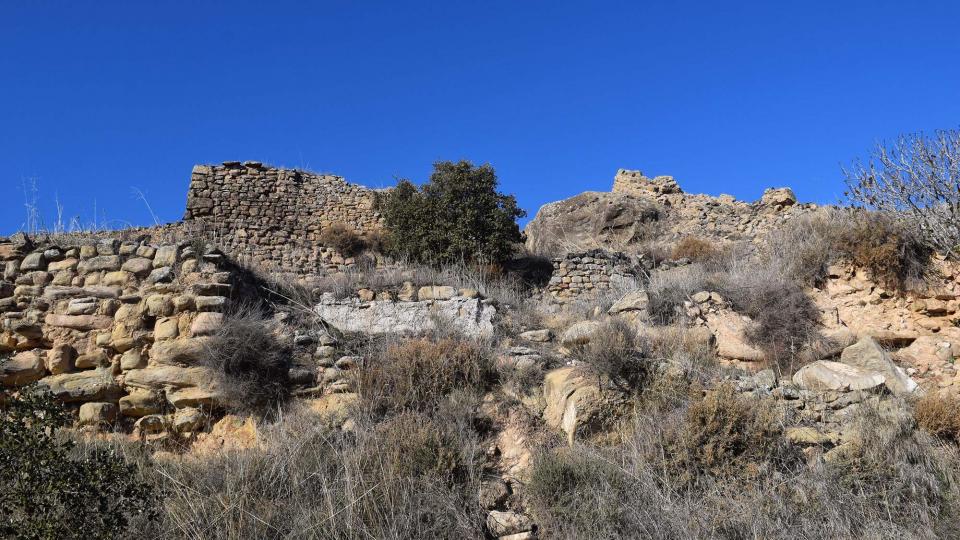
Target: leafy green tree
[[50, 490], [457, 215]]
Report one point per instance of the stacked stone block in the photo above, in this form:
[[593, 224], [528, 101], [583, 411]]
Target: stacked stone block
[[275, 216], [591, 272]]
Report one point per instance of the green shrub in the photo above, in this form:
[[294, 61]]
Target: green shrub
[[49, 492], [458, 215]]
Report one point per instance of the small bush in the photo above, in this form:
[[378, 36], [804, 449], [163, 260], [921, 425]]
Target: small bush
[[457, 216], [249, 361], [939, 415], [725, 434], [618, 354], [417, 374], [410, 445], [668, 290], [876, 242], [342, 238], [51, 492], [695, 249]]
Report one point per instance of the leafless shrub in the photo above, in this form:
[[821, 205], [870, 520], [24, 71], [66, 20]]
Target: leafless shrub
[[875, 241], [939, 415], [618, 354], [342, 238], [248, 360], [917, 176], [418, 374], [695, 249], [668, 290]]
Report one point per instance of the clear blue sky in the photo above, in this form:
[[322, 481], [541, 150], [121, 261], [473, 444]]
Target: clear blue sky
[[729, 97]]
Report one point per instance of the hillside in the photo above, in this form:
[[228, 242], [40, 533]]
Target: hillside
[[649, 364]]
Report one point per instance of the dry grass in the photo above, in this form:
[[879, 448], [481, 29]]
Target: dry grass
[[939, 415], [418, 374], [343, 239], [249, 361], [616, 353], [695, 249], [876, 242]]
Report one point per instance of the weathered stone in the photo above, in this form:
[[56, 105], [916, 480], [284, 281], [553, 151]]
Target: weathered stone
[[778, 197], [32, 262], [160, 275], [867, 354], [206, 324], [166, 328], [97, 414], [141, 403], [502, 523], [210, 303], [538, 336], [472, 317], [92, 360], [138, 266], [166, 256], [161, 377], [576, 404], [23, 369], [826, 375], [185, 351], [729, 330], [632, 301], [205, 396], [79, 322], [60, 358], [107, 263], [132, 359], [580, 333], [90, 385], [435, 292], [188, 419]]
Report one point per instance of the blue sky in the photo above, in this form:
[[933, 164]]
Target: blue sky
[[99, 98]]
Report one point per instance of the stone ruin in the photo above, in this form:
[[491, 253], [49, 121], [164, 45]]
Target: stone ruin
[[275, 216]]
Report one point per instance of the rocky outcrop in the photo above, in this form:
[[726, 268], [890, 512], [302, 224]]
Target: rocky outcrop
[[471, 316]]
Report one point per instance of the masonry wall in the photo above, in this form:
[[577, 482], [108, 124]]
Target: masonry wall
[[590, 272], [276, 216]]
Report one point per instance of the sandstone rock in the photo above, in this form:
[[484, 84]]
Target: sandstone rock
[[153, 423], [185, 351], [132, 359], [162, 377], [729, 331], [334, 408], [778, 197], [210, 303], [188, 419], [867, 354], [436, 292], [97, 414], [585, 220], [826, 375], [207, 395], [140, 403], [138, 266], [32, 262], [23, 369], [90, 385], [632, 301], [79, 322], [60, 358], [206, 324], [160, 275], [809, 436], [580, 333], [92, 359], [166, 328], [576, 404], [538, 336], [407, 292], [158, 305], [107, 263], [506, 523], [166, 256]]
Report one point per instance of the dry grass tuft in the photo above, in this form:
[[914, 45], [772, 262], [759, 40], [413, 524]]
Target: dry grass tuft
[[342, 238], [695, 249], [939, 415]]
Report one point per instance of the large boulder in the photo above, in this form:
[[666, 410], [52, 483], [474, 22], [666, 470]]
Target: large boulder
[[825, 375], [589, 220], [867, 354], [577, 404], [632, 302]]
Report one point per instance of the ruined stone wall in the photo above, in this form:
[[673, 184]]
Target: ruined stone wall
[[276, 216], [591, 272], [114, 328]]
